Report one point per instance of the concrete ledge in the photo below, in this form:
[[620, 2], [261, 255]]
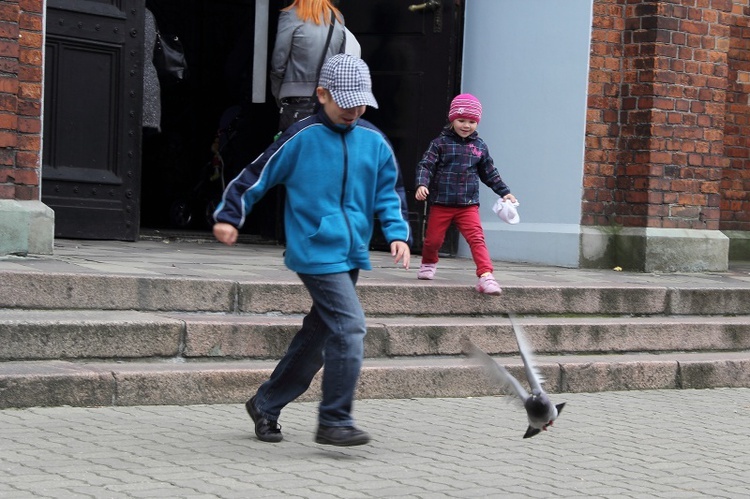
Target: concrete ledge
[[31, 384], [654, 250], [739, 244], [115, 292], [597, 247], [731, 373], [26, 228], [39, 335], [188, 384], [54, 383], [619, 375], [709, 301], [387, 299], [94, 291], [521, 300], [85, 335]]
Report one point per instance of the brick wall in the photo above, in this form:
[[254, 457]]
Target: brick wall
[[21, 43], [603, 117], [668, 123], [657, 113], [735, 184]]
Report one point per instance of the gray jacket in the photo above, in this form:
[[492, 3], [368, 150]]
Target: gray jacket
[[296, 54], [151, 87]]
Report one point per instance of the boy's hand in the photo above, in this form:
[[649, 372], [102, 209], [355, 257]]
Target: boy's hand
[[511, 197], [225, 233], [400, 251], [422, 193]]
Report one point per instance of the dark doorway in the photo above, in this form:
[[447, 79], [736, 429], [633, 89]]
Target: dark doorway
[[182, 177], [413, 55]]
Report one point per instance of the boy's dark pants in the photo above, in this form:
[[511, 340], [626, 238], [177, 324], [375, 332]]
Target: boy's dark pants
[[332, 335]]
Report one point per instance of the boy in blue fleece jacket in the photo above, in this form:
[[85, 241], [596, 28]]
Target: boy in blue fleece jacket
[[339, 172]]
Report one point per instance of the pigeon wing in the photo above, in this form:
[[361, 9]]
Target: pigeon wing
[[527, 355], [508, 384]]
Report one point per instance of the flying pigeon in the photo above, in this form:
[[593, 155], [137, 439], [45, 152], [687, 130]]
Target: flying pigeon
[[540, 411]]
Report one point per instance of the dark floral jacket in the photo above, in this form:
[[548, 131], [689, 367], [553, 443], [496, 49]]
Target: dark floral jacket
[[452, 168]]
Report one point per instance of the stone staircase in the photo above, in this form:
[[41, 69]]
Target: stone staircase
[[94, 340]]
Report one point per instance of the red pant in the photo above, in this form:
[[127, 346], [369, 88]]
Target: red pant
[[469, 225]]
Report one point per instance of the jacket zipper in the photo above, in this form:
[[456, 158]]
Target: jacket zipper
[[343, 190]]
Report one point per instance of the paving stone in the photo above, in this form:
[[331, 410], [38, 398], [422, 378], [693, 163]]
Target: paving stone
[[643, 442]]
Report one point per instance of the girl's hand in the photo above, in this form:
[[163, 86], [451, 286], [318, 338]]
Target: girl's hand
[[511, 197], [422, 193]]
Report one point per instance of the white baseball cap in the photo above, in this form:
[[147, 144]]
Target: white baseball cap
[[348, 79], [506, 210]]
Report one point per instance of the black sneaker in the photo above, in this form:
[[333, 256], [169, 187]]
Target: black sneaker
[[343, 436], [267, 430]]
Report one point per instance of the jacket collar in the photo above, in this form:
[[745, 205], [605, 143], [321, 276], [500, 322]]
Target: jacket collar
[[449, 132], [323, 117]]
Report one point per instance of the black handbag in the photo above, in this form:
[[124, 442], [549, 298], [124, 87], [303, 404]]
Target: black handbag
[[169, 59], [294, 109]]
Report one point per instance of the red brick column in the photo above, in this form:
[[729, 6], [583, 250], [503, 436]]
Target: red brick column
[[655, 138], [606, 66], [21, 43], [26, 224]]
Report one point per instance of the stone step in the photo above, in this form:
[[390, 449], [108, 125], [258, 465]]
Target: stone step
[[57, 382], [89, 339], [25, 290], [117, 334]]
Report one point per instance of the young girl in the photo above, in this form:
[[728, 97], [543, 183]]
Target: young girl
[[449, 174]]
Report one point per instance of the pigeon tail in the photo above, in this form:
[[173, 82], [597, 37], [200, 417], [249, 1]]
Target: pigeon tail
[[531, 431]]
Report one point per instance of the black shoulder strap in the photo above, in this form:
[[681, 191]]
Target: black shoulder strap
[[325, 50]]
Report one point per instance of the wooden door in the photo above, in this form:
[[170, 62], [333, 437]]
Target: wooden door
[[93, 89]]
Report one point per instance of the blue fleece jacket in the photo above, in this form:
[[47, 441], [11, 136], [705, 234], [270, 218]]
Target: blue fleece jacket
[[337, 181]]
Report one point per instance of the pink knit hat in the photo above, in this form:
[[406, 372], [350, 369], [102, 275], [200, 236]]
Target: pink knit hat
[[465, 106]]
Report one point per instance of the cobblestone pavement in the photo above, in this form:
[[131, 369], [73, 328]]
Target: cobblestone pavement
[[663, 443]]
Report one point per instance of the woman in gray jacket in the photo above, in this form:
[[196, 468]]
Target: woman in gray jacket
[[298, 55]]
